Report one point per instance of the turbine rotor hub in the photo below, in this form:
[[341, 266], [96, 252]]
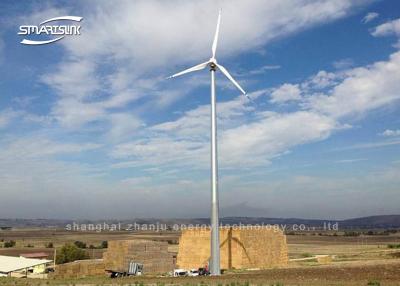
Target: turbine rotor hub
[[213, 64]]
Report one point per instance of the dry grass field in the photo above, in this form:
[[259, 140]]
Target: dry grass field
[[344, 248], [39, 238], [362, 260]]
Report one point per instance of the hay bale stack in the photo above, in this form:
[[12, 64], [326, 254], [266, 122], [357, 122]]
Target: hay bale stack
[[80, 269], [153, 255], [240, 248]]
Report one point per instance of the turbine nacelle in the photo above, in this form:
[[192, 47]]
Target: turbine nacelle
[[212, 61]]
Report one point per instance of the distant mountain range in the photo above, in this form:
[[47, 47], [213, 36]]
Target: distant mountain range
[[370, 222], [380, 221]]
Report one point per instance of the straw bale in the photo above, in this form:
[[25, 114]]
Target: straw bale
[[239, 248], [79, 269], [153, 255]]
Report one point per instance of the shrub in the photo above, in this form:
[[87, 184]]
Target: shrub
[[49, 245], [80, 244], [69, 253], [10, 243], [351, 233], [104, 244]]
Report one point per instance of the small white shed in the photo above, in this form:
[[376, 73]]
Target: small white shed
[[10, 264]]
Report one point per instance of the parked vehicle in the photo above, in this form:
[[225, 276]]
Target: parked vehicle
[[203, 271], [133, 269], [180, 272], [194, 272]]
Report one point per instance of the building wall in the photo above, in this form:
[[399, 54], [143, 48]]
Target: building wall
[[38, 269], [239, 248]]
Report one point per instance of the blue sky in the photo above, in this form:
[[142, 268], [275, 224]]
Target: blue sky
[[90, 127]]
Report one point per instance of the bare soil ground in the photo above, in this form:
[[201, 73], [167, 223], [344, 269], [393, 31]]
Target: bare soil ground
[[384, 272]]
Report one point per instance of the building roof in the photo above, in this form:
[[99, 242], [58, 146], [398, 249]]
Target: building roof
[[34, 255], [10, 263]]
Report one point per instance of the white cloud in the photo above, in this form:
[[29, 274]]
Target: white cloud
[[362, 89], [81, 93], [262, 70], [118, 62], [345, 161], [123, 126], [75, 79], [40, 147], [186, 29], [159, 151], [185, 142], [39, 13], [369, 17], [127, 47], [391, 133], [12, 117], [343, 64], [6, 116], [29, 169], [286, 92], [73, 113], [256, 143], [250, 136], [77, 82], [196, 122], [321, 80], [388, 28], [369, 145], [136, 181]]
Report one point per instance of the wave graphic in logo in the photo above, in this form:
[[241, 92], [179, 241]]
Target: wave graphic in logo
[[54, 30]]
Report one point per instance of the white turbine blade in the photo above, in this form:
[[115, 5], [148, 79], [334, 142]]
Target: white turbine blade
[[226, 73], [192, 69], [215, 42]]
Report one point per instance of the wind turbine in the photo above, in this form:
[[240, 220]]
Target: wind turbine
[[212, 63]]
